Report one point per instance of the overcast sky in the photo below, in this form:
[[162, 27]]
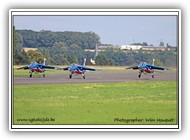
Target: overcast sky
[[116, 30]]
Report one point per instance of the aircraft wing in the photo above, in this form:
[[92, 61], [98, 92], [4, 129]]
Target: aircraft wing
[[25, 67], [157, 68], [134, 67], [86, 68], [67, 68], [47, 67]]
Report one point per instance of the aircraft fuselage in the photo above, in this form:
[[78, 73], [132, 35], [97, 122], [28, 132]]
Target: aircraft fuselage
[[37, 70], [147, 70], [76, 71]]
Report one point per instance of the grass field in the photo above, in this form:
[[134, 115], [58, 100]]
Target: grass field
[[96, 103]]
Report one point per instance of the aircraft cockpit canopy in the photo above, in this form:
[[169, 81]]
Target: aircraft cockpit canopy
[[33, 63], [73, 65], [143, 63]]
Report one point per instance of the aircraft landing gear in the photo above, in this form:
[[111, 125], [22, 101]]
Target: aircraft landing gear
[[152, 76], [70, 76], [43, 75], [83, 76], [139, 75], [30, 74]]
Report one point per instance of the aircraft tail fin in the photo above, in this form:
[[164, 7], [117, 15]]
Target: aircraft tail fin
[[92, 61], [44, 61], [84, 62], [153, 61]]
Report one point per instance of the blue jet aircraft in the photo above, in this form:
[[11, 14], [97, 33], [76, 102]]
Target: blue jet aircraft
[[145, 68], [37, 68], [76, 69]]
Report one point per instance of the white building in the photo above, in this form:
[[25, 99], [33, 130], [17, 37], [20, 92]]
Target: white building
[[130, 47]]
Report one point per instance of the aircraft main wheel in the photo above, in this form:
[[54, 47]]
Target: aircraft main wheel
[[84, 77], [152, 76], [31, 75], [70, 76], [139, 76], [43, 75]]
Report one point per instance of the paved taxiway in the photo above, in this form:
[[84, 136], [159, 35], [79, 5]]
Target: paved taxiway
[[95, 77]]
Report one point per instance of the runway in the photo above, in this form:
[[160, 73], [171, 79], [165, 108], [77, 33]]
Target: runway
[[95, 77]]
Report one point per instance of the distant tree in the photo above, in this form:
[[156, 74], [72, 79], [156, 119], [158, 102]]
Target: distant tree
[[161, 44], [35, 56], [84, 40], [59, 60], [144, 44], [110, 62], [168, 46], [74, 59], [19, 42], [73, 47], [142, 56], [60, 45], [137, 43], [15, 49], [22, 58], [158, 62], [102, 60], [25, 58], [68, 47]]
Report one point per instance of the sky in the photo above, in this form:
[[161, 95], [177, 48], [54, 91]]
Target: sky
[[116, 30]]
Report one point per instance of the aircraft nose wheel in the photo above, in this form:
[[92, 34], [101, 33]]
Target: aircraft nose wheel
[[139, 76], [31, 75], [152, 76], [43, 75]]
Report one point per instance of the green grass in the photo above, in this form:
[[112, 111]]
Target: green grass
[[99, 103]]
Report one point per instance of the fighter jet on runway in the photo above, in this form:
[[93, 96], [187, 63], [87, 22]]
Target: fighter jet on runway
[[76, 69], [145, 68], [37, 68]]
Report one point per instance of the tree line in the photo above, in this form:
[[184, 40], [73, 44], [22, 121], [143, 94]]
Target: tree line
[[47, 39], [65, 48], [129, 58]]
